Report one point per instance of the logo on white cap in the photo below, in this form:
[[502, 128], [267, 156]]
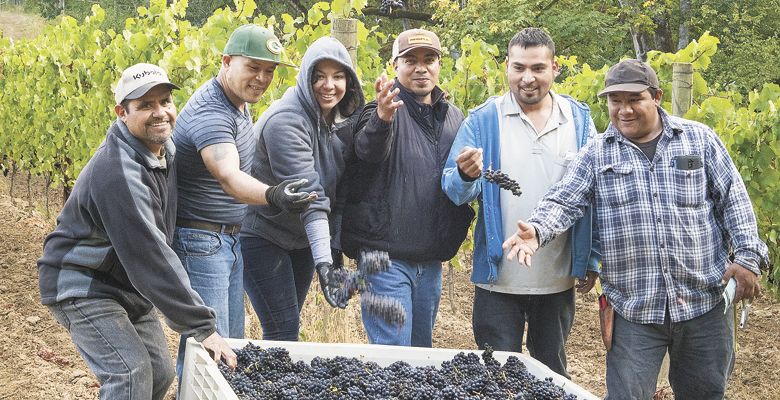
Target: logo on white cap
[[138, 79]]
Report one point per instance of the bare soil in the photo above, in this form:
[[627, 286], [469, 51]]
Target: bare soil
[[39, 361]]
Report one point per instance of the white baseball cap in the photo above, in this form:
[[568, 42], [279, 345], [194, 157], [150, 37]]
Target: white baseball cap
[[138, 79]]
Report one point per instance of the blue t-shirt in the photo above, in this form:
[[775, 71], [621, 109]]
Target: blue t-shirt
[[209, 118]]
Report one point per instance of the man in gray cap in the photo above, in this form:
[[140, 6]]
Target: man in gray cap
[[214, 142], [109, 263], [675, 223]]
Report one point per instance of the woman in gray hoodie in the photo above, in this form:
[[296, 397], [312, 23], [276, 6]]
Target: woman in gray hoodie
[[304, 135]]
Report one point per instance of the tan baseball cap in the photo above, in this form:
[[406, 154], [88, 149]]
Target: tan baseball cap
[[138, 79], [413, 39]]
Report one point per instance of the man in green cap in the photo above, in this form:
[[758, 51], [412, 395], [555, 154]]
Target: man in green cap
[[214, 148]]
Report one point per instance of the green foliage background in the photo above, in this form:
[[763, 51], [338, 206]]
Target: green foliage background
[[56, 100]]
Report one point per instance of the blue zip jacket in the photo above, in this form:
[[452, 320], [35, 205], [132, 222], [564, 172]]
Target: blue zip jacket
[[480, 130]]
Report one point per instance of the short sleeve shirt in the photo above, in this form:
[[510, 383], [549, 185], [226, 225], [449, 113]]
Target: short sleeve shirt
[[209, 118]]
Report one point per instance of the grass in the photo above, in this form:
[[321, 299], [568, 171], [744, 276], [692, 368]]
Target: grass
[[16, 24]]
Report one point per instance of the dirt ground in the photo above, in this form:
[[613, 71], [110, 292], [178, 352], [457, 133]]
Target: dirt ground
[[38, 360]]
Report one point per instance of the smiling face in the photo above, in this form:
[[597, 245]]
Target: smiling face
[[418, 71], [245, 79], [530, 72], [329, 83], [635, 115], [150, 118]]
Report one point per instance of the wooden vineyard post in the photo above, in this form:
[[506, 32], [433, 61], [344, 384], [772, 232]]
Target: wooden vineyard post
[[682, 88], [345, 31]]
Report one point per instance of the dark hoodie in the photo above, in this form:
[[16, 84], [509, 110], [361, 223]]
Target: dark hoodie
[[294, 141]]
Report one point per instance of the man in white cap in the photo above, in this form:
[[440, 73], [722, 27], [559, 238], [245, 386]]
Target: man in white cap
[[395, 202], [215, 144], [109, 262]]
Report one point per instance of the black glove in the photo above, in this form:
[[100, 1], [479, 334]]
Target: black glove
[[331, 282], [286, 196]]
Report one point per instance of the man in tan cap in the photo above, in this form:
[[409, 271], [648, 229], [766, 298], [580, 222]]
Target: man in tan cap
[[395, 202], [109, 262], [675, 223], [214, 144]]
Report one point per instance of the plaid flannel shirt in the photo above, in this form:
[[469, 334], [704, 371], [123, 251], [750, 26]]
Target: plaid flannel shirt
[[667, 227]]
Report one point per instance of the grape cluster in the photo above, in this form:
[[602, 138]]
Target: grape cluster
[[502, 180], [354, 282], [387, 308], [271, 374], [387, 6]]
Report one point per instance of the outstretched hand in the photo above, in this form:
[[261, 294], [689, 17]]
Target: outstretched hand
[[287, 197], [385, 95], [522, 244]]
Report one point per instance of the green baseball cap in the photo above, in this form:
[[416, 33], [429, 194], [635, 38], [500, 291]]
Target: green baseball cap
[[255, 42]]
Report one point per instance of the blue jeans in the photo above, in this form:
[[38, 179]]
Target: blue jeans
[[276, 281], [216, 269], [701, 356], [128, 353], [499, 320], [417, 285]]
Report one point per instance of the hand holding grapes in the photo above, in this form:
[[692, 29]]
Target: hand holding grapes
[[469, 162]]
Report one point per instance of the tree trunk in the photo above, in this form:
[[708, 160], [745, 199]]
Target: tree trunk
[[640, 39], [684, 34]]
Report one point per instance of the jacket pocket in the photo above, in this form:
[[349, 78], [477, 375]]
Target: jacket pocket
[[617, 184], [367, 219]]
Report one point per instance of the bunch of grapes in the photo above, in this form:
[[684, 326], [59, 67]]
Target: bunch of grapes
[[355, 282], [502, 180], [387, 6], [271, 374]]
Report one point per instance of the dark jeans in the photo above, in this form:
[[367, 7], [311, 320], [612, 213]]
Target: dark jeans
[[276, 281], [499, 320], [128, 353], [701, 356]]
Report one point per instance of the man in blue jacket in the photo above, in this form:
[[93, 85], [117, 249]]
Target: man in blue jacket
[[531, 134]]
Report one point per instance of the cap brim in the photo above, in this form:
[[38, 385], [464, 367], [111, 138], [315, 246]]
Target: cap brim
[[286, 64], [401, 54], [624, 87], [141, 90]]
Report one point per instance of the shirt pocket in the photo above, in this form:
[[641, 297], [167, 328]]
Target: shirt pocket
[[617, 184], [690, 187]]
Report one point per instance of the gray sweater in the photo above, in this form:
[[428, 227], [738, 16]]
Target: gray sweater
[[293, 142], [113, 238]]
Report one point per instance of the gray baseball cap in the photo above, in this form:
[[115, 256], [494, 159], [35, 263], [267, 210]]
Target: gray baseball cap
[[630, 76], [138, 79]]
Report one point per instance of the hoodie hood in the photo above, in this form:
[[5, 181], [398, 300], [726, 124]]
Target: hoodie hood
[[328, 48]]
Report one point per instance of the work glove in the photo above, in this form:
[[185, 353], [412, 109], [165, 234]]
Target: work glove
[[286, 196], [332, 281]]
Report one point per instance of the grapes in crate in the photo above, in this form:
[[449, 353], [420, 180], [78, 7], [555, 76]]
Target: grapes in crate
[[271, 374], [502, 180]]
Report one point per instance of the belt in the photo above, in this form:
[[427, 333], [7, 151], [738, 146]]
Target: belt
[[209, 226]]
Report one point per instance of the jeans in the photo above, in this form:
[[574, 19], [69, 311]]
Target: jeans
[[128, 353], [417, 285], [701, 356], [276, 281], [215, 267], [499, 320]]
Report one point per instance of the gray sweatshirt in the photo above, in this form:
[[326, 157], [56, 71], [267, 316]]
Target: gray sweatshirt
[[113, 238], [294, 141]]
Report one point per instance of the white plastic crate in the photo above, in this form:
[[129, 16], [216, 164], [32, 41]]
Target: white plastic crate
[[201, 379]]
